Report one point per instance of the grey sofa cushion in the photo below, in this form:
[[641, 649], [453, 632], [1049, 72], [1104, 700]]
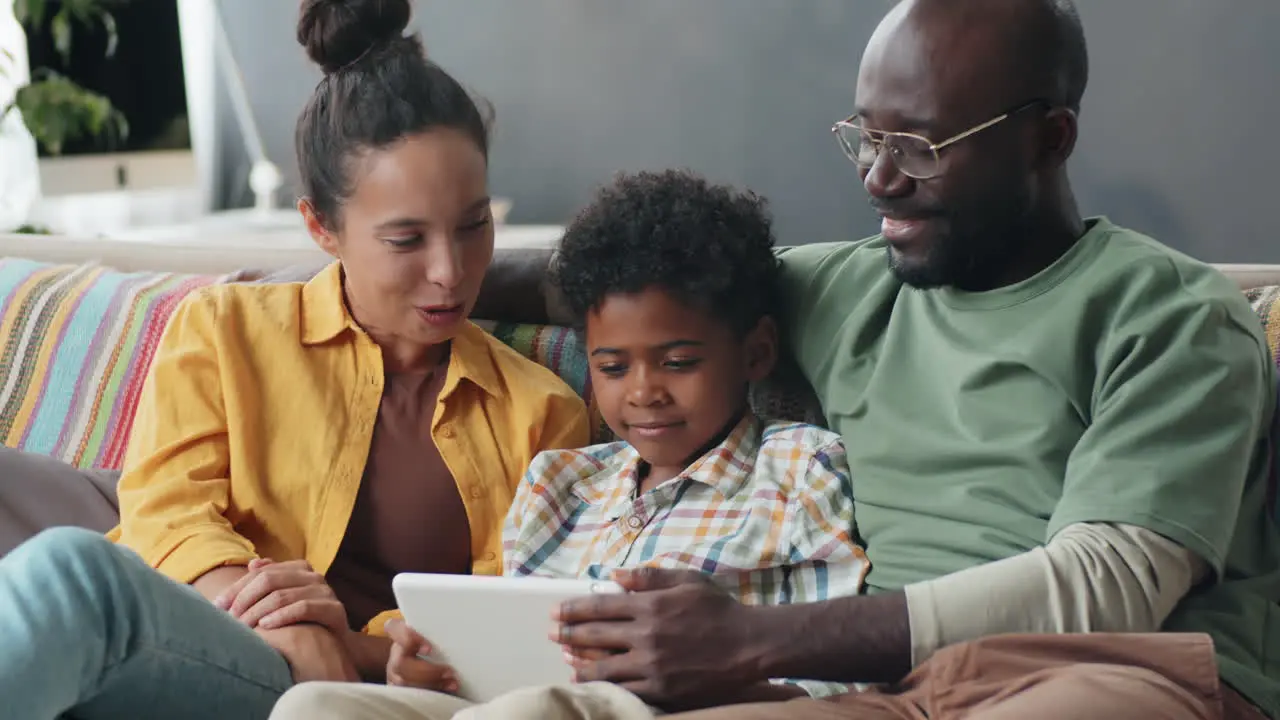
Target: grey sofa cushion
[[38, 492], [290, 274]]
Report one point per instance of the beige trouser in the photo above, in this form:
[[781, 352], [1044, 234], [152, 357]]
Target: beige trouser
[[351, 701], [1048, 677]]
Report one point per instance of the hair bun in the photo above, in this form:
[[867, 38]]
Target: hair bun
[[337, 32]]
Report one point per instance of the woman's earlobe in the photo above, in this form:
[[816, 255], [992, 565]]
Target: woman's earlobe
[[315, 225]]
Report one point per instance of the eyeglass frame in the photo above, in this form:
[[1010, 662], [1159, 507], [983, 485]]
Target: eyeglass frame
[[936, 148]]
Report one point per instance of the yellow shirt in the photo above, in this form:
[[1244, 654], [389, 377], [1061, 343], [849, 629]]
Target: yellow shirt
[[255, 422]]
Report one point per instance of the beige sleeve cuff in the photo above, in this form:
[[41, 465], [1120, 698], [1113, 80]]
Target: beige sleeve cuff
[[1090, 578]]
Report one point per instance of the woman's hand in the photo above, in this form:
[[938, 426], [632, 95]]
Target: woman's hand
[[405, 668], [313, 653], [275, 595]]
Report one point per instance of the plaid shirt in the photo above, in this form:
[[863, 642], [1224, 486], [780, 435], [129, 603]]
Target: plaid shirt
[[768, 513]]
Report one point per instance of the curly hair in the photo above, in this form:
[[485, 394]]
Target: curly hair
[[709, 245]]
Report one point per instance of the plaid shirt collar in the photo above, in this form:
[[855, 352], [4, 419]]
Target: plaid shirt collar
[[724, 467]]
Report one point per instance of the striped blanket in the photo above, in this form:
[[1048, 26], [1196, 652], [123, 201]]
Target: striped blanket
[[77, 341], [75, 344]]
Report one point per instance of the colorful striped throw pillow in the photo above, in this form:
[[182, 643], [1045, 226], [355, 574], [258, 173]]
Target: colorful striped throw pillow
[[560, 350], [76, 342]]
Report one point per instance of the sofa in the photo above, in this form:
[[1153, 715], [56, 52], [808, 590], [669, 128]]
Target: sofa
[[79, 323]]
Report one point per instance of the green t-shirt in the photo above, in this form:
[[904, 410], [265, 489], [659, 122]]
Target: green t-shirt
[[1126, 383]]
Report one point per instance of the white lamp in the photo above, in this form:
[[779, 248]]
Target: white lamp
[[265, 179], [19, 162]]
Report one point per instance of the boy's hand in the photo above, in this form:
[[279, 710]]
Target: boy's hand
[[405, 668]]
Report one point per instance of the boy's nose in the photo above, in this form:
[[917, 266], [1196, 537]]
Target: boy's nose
[[646, 390]]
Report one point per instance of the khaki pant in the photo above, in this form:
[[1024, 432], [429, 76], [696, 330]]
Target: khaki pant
[[1049, 677], [351, 701]]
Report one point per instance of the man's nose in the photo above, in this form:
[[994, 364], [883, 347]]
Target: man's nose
[[883, 179]]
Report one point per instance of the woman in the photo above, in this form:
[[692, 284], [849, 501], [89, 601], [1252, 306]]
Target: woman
[[297, 445]]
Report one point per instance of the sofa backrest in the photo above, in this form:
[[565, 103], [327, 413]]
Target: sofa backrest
[[174, 255], [184, 256], [76, 341]]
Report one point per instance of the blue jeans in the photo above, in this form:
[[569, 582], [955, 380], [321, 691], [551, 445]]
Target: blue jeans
[[89, 630]]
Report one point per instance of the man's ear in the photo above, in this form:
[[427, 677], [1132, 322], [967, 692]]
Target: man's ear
[[1062, 129], [327, 241], [761, 348]]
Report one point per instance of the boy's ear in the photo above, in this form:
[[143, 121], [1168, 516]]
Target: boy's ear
[[761, 348]]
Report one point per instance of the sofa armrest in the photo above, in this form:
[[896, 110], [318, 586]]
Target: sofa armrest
[[39, 492]]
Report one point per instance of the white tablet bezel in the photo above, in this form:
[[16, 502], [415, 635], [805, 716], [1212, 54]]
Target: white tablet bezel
[[493, 631]]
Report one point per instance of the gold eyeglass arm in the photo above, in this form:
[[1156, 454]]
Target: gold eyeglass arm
[[848, 123], [971, 131]]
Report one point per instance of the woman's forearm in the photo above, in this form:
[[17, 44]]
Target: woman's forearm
[[212, 583]]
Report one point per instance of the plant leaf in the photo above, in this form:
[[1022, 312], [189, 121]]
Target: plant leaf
[[84, 12], [61, 30], [31, 12], [58, 111], [113, 38]]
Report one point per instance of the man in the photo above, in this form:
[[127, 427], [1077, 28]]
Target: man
[[1055, 426]]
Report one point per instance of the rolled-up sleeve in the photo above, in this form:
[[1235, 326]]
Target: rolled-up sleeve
[[175, 487], [825, 558]]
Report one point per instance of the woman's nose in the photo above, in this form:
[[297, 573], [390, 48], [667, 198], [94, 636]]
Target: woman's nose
[[444, 263]]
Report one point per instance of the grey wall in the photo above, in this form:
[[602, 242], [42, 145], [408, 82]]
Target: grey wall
[[1178, 126]]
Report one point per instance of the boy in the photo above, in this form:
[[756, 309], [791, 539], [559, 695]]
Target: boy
[[673, 281]]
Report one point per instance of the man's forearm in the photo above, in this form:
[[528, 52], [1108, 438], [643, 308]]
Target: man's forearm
[[515, 288], [1091, 577], [864, 639]]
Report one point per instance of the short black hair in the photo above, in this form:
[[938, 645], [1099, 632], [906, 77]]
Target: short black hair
[[1071, 51], [710, 246], [1045, 40], [378, 88]]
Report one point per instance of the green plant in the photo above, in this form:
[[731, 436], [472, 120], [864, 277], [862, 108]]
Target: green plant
[[55, 109]]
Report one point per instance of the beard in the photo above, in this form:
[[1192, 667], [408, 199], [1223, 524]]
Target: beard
[[975, 250]]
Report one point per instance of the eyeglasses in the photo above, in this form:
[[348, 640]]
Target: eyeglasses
[[914, 155]]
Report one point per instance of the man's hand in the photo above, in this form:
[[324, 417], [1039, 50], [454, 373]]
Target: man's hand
[[275, 595], [406, 669], [675, 639], [313, 653]]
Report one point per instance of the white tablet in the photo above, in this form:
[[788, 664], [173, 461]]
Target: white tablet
[[493, 631]]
